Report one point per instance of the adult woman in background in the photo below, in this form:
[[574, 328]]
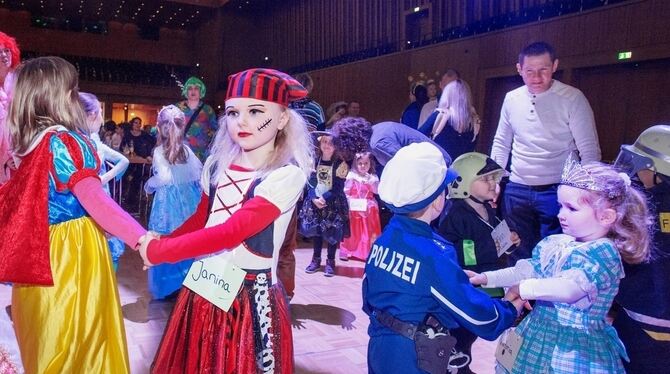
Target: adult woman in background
[[10, 56], [454, 125]]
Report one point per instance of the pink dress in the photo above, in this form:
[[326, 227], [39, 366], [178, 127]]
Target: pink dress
[[363, 215], [5, 144]]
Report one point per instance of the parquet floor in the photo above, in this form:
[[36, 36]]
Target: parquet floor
[[329, 327]]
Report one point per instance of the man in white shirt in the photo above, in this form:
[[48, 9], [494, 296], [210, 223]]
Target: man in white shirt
[[541, 123]]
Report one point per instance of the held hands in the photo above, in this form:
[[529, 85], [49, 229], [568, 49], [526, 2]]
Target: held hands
[[319, 202], [512, 295], [476, 279], [143, 244], [514, 237]]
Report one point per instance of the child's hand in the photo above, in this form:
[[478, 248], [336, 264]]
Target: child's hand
[[476, 279], [319, 202], [144, 245], [514, 237]]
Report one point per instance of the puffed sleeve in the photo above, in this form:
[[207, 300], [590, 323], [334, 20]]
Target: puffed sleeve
[[594, 268], [282, 187], [74, 158]]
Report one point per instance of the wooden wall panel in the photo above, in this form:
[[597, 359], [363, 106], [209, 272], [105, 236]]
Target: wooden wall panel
[[122, 42], [584, 41]]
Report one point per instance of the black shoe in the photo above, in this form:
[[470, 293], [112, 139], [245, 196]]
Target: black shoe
[[313, 266], [330, 268]]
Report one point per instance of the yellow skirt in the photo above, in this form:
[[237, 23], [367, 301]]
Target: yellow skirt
[[76, 325]]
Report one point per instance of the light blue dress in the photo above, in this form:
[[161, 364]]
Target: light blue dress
[[177, 193], [573, 338]]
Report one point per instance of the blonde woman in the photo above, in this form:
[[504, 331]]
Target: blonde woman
[[454, 125]]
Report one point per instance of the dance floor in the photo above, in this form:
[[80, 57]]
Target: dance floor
[[329, 327]]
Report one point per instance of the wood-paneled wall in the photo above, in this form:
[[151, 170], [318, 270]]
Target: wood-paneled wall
[[122, 41], [587, 40], [303, 31]]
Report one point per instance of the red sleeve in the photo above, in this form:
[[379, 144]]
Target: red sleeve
[[255, 215], [105, 212], [195, 222]]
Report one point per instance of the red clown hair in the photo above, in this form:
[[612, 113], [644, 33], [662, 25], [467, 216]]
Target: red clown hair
[[10, 43]]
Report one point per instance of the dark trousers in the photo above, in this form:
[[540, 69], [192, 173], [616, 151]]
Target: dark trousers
[[531, 211], [318, 246], [646, 354], [286, 261], [133, 178]]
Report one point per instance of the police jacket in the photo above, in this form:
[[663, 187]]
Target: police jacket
[[412, 271]]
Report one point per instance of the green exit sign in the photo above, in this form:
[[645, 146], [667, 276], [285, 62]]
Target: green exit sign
[[625, 55]]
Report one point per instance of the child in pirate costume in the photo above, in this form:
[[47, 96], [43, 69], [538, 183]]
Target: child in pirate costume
[[643, 323], [254, 176], [469, 225], [412, 274]]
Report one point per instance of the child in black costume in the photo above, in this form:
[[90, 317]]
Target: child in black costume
[[643, 323], [325, 211], [468, 225]]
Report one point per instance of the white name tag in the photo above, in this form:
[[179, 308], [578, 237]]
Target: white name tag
[[216, 279], [508, 348], [358, 205], [501, 235]]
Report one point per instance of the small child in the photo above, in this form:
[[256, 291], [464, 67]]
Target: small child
[[412, 274], [360, 188], [93, 110], [574, 276], [176, 185], [643, 323], [469, 224], [325, 212]]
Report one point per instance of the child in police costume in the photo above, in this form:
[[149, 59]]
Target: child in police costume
[[412, 274], [643, 323], [469, 225]]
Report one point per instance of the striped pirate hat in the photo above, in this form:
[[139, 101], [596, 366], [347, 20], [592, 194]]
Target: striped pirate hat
[[265, 84]]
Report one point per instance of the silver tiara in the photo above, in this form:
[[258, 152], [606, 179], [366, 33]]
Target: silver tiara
[[576, 176]]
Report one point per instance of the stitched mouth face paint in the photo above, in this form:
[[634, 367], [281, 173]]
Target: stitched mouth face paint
[[252, 123], [265, 124]]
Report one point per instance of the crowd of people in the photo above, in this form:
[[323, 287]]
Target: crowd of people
[[455, 246]]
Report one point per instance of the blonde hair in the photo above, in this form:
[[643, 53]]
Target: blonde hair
[[456, 105], [292, 146], [631, 230], [45, 95], [170, 124]]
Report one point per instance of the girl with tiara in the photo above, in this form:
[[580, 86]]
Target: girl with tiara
[[175, 182], [360, 188], [65, 301], [233, 317], [93, 110], [574, 276]]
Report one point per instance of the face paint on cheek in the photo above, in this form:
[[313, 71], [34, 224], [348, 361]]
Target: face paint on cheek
[[265, 124]]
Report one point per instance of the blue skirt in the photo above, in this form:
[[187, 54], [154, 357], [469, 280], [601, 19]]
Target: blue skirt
[[172, 205]]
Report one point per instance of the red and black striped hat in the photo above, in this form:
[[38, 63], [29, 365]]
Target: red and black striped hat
[[265, 84]]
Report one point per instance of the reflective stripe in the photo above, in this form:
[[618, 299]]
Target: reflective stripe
[[661, 336], [459, 311], [648, 320], [652, 152]]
